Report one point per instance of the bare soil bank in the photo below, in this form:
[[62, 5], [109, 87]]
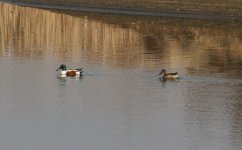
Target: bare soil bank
[[221, 7]]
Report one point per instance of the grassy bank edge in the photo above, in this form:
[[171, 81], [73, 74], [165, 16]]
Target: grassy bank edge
[[131, 11]]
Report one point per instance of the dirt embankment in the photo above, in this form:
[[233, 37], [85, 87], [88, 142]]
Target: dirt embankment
[[222, 7]]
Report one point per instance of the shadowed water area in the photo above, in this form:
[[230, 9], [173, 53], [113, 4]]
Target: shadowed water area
[[119, 103]]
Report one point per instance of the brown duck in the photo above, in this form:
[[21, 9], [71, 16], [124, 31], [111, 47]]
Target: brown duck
[[165, 75]]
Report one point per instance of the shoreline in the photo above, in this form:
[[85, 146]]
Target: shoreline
[[131, 11]]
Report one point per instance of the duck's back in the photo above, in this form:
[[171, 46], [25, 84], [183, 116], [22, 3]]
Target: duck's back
[[172, 75]]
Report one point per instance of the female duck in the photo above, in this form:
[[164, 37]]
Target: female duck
[[69, 72], [165, 75]]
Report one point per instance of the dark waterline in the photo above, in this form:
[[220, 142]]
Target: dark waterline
[[133, 11]]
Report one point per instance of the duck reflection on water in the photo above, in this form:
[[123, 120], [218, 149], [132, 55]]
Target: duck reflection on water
[[63, 78]]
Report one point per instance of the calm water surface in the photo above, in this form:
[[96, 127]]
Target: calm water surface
[[119, 103]]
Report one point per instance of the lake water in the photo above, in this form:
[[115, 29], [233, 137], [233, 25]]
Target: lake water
[[119, 103]]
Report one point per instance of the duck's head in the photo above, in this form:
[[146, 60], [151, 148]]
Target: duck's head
[[62, 67], [162, 71]]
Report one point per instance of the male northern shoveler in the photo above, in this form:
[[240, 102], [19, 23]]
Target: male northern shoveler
[[165, 75], [69, 72]]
